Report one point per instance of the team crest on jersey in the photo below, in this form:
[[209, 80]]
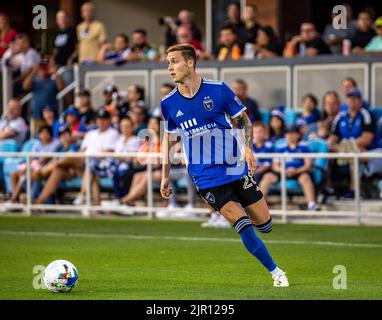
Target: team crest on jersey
[[210, 197], [208, 103]]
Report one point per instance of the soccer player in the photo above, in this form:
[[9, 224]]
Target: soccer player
[[200, 110]]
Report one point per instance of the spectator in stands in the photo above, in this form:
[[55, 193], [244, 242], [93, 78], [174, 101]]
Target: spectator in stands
[[267, 44], [112, 101], [310, 113], [123, 169], [7, 34], [229, 46], [65, 145], [102, 139], [349, 83], [334, 37], [277, 124], [71, 119], [65, 45], [139, 117], [114, 54], [356, 123], [87, 115], [364, 32], [375, 44], [12, 125], [65, 41], [165, 89], [46, 143], [261, 145], [62, 168], [352, 131], [251, 24], [296, 168], [141, 49], [139, 182], [44, 82], [49, 117], [91, 34], [234, 21], [21, 58], [184, 35], [307, 43], [331, 107], [240, 88], [185, 18], [135, 96]]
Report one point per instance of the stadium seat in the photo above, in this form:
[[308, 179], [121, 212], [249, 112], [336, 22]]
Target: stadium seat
[[7, 145], [290, 116], [377, 113], [11, 164], [265, 116], [319, 169]]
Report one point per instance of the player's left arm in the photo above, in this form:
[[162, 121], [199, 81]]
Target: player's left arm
[[245, 124]]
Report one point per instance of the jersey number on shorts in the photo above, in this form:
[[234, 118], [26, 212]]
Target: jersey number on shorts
[[248, 182]]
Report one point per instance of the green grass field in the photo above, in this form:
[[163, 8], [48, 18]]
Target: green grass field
[[138, 259]]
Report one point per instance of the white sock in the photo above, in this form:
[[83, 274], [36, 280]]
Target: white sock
[[276, 271], [312, 205]]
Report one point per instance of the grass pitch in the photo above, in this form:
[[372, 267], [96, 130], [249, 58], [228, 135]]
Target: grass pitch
[[138, 259]]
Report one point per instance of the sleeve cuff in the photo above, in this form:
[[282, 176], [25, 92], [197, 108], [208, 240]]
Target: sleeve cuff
[[239, 113]]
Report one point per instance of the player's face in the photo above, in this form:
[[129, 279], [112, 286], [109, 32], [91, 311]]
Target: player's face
[[179, 68]]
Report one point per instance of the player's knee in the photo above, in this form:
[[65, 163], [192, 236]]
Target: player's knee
[[265, 227]]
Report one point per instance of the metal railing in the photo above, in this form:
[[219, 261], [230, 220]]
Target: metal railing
[[284, 212]]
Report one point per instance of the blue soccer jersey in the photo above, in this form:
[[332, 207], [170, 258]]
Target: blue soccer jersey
[[292, 162], [212, 151], [267, 147]]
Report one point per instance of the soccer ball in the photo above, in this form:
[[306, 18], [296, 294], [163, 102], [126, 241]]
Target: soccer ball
[[60, 276]]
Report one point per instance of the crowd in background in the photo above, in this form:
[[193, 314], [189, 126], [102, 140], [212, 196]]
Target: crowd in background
[[342, 120]]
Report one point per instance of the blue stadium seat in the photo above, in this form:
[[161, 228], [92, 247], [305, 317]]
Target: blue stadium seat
[[377, 113], [290, 116], [11, 164], [265, 116], [7, 145], [319, 169]]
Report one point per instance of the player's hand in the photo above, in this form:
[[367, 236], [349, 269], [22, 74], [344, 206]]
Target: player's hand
[[251, 161], [165, 190]]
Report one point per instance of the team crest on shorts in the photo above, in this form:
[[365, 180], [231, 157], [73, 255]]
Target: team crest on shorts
[[208, 103], [210, 197]]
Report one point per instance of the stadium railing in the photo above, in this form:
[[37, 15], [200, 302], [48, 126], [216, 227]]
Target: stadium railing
[[357, 212]]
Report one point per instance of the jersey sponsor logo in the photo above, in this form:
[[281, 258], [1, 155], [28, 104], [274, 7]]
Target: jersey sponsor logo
[[210, 197], [188, 124], [208, 103], [179, 114]]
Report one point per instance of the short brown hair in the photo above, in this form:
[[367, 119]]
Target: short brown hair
[[187, 50]]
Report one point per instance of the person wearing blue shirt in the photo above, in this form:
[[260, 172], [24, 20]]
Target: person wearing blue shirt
[[260, 145], [310, 113], [277, 125], [296, 168], [353, 130], [348, 84], [200, 110]]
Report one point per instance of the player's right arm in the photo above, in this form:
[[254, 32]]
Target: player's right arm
[[165, 189], [166, 146]]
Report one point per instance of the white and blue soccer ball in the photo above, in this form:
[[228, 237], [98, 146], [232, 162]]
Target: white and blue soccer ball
[[60, 276]]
